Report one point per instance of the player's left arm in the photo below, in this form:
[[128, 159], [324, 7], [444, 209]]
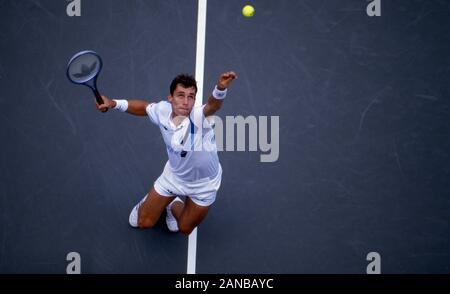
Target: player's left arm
[[214, 104]]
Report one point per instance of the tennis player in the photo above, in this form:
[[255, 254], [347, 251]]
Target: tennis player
[[193, 171]]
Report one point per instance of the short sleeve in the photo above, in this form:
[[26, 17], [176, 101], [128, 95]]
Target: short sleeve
[[153, 113], [199, 119]]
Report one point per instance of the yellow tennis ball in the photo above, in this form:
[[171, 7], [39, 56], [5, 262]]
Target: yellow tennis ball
[[248, 11]]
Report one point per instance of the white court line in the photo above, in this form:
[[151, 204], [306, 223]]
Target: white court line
[[200, 56], [199, 74]]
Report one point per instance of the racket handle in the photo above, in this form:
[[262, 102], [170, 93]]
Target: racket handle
[[99, 99]]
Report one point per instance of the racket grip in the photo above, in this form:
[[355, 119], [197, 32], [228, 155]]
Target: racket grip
[[99, 99]]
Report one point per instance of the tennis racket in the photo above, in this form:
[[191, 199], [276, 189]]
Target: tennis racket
[[83, 69]]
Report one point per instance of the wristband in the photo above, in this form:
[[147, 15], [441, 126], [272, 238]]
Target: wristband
[[121, 105], [219, 94]]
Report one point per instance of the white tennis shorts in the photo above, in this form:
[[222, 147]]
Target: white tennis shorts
[[202, 192]]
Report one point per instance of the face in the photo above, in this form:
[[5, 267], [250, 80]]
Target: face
[[182, 100]]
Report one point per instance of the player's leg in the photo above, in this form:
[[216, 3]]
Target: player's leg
[[184, 217], [188, 215], [150, 210]]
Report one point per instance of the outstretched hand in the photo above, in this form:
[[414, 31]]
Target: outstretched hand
[[107, 104], [225, 80]]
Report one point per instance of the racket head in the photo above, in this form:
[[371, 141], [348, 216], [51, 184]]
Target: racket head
[[84, 67]]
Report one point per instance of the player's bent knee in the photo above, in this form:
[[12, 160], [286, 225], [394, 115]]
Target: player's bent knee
[[145, 223], [186, 229]]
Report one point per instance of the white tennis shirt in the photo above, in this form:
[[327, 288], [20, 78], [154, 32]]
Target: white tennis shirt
[[191, 146]]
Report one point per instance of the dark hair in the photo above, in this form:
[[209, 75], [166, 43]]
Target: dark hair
[[185, 80]]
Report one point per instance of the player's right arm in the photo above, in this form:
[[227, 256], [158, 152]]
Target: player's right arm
[[135, 106]]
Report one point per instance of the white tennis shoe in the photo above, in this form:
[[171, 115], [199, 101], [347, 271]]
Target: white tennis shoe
[[171, 222], [133, 219]]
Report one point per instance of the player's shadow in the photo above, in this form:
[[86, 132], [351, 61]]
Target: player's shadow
[[161, 225]]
